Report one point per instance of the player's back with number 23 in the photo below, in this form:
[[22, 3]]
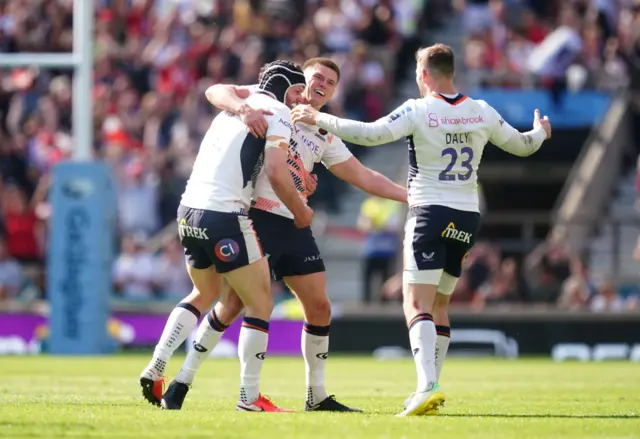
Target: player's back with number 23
[[448, 136]]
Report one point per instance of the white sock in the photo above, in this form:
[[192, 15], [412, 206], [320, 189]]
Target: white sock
[[209, 333], [442, 345], [315, 348], [422, 336], [180, 323], [252, 348]]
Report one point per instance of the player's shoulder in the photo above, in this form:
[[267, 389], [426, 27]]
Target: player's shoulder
[[484, 105], [407, 109], [485, 109], [267, 102], [481, 103]]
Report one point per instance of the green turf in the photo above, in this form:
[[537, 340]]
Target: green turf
[[100, 397]]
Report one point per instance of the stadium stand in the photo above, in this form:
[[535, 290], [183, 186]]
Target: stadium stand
[[154, 60]]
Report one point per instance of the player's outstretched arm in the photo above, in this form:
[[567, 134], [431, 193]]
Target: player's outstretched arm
[[227, 97], [384, 130], [232, 98], [276, 154], [514, 142], [370, 181]]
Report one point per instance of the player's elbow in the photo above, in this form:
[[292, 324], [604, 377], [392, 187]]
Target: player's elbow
[[527, 151], [215, 94], [212, 93]]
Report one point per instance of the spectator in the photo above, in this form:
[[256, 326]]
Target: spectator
[[607, 299], [380, 221], [574, 295], [134, 270], [543, 285], [336, 25], [504, 286], [580, 273], [138, 201], [479, 266], [11, 279], [23, 232], [171, 279], [476, 14]]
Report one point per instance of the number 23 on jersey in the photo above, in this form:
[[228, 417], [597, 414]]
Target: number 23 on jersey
[[457, 157]]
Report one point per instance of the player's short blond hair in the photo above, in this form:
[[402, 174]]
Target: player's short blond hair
[[437, 60]]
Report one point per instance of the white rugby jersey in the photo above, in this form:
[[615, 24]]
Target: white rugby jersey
[[446, 137], [308, 145], [230, 158]]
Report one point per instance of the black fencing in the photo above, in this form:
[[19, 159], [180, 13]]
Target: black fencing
[[535, 333]]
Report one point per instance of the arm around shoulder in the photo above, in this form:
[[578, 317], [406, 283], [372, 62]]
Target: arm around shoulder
[[228, 97]]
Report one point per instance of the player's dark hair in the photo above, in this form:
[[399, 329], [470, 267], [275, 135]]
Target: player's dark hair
[[327, 62], [437, 59], [278, 76]]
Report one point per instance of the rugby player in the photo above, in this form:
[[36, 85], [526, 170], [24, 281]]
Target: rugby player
[[293, 253], [218, 237], [446, 133]]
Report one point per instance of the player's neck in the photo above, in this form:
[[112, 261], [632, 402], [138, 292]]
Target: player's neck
[[445, 89]]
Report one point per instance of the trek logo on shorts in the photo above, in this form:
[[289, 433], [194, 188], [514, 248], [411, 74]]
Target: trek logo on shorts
[[227, 250], [193, 232], [459, 235]]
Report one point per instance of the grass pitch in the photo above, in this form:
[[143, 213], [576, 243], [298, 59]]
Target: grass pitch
[[100, 397]]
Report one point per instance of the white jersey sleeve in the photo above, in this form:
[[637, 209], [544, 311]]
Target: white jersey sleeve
[[507, 138], [397, 124], [279, 125], [336, 152]]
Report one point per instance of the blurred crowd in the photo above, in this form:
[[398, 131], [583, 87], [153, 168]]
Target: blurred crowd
[[153, 61], [549, 275], [155, 58], [560, 44]]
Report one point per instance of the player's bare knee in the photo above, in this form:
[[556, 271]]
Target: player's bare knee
[[202, 301], [419, 297], [412, 305], [317, 310], [228, 308], [260, 306]]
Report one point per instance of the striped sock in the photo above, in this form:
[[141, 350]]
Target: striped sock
[[252, 349], [422, 336], [180, 323], [209, 333], [315, 349], [442, 345]]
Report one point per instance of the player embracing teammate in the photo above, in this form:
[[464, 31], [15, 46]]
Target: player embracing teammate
[[446, 133]]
